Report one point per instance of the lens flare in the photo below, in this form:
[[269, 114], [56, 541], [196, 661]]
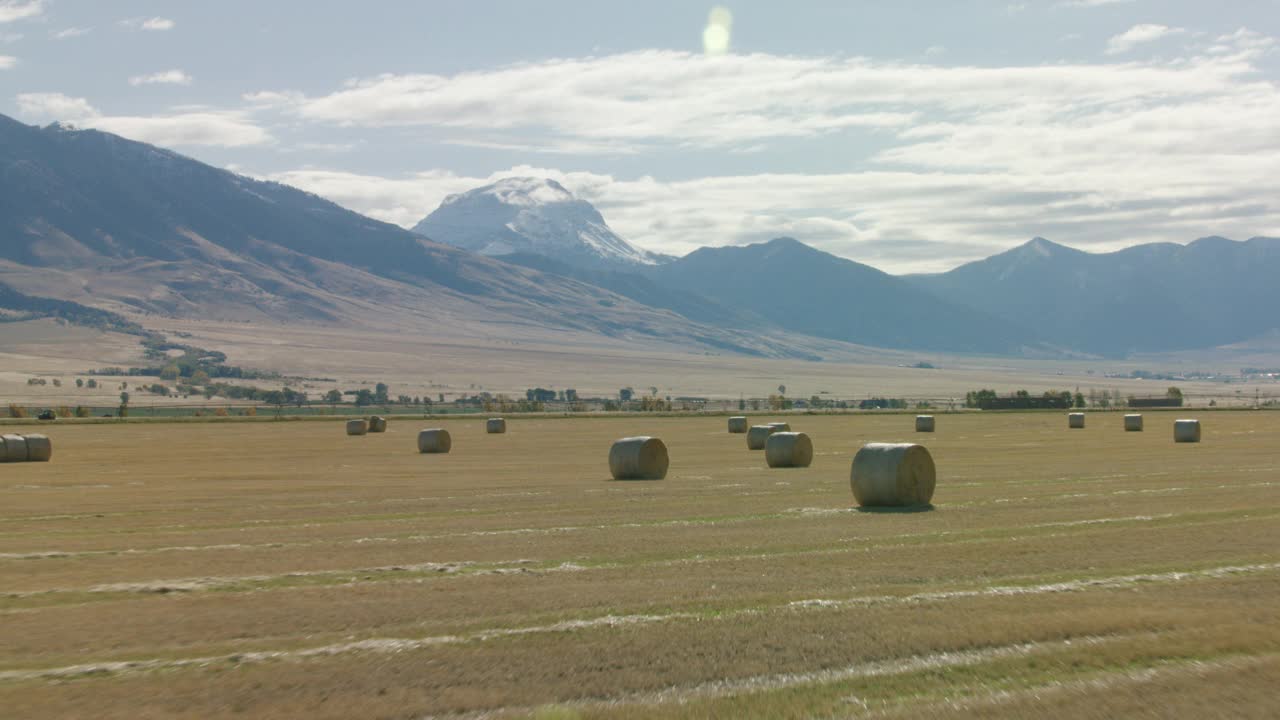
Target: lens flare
[[715, 36]]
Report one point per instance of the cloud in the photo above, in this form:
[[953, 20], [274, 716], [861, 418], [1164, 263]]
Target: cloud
[[47, 107], [13, 10], [156, 24], [192, 127], [71, 32], [667, 100], [168, 77], [662, 97], [7, 61], [1094, 155], [1138, 35]]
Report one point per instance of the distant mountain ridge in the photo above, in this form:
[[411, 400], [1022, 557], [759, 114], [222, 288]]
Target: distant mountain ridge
[[1145, 298], [809, 291], [105, 223], [95, 219], [532, 216]]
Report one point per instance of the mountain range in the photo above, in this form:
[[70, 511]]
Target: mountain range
[[95, 219]]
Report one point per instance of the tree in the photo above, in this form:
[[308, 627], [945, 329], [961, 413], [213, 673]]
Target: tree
[[539, 395], [742, 404], [782, 389], [170, 372], [653, 391], [380, 393], [625, 394], [1079, 399], [571, 395], [124, 398], [1173, 393], [92, 383], [57, 382], [333, 397], [79, 383], [275, 397], [199, 377], [364, 397]]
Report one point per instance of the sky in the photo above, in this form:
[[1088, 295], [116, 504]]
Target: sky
[[913, 136]]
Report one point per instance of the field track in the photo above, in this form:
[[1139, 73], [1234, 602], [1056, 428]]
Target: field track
[[287, 570]]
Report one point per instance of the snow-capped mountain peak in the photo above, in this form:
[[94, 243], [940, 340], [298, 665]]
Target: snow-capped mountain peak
[[531, 215]]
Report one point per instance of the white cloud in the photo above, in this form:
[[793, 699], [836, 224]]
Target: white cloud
[[71, 32], [220, 129], [155, 23], [667, 99], [168, 77], [1093, 155], [49, 107], [649, 96], [1138, 35], [12, 10], [188, 128], [7, 61]]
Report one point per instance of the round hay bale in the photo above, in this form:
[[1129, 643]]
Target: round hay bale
[[434, 440], [788, 449], [737, 424], [357, 427], [1133, 423], [638, 458], [377, 424], [758, 435], [893, 475], [15, 448], [780, 427], [924, 423], [39, 449], [1186, 431], [495, 426], [1075, 421]]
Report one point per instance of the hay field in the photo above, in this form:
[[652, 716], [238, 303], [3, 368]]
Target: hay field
[[287, 570]]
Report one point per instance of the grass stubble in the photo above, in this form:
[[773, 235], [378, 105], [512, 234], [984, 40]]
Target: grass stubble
[[287, 570]]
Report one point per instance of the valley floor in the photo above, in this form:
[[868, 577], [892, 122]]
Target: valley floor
[[467, 361], [284, 570]]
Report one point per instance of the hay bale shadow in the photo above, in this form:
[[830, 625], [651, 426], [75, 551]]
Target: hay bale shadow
[[896, 510]]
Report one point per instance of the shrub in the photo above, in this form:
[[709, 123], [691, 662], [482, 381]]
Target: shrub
[[17, 411], [220, 412], [249, 411], [82, 411], [63, 411]]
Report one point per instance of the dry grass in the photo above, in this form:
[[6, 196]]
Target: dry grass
[[286, 578]]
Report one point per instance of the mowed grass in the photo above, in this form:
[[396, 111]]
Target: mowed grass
[[287, 570]]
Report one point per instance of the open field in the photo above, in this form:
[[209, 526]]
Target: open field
[[439, 362], [286, 570]]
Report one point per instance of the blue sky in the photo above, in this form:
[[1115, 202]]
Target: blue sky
[[912, 135]]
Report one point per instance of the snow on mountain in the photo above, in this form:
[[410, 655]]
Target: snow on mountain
[[536, 216]]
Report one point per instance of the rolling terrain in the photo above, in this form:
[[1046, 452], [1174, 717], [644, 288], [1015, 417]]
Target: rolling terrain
[[90, 217]]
